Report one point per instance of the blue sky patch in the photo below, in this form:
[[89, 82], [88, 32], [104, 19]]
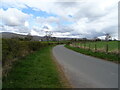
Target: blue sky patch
[[39, 13]]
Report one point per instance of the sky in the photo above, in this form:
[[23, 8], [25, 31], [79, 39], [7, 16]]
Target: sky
[[68, 18]]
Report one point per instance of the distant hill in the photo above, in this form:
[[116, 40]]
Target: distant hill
[[35, 38], [13, 35]]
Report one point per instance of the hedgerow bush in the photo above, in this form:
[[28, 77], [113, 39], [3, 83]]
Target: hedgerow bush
[[13, 49], [10, 50]]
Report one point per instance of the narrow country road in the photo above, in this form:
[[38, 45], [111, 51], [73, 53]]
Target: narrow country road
[[85, 71]]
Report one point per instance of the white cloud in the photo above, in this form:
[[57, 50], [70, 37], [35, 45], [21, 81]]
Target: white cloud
[[48, 20], [13, 17], [13, 4], [26, 24], [14, 20], [16, 29], [33, 32], [90, 17]]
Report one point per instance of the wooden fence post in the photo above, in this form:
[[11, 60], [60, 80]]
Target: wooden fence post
[[95, 47], [89, 46], [106, 48], [84, 45]]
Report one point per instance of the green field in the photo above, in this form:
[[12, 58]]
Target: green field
[[36, 70], [106, 56], [101, 45]]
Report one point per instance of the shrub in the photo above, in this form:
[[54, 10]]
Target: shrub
[[10, 48], [13, 49]]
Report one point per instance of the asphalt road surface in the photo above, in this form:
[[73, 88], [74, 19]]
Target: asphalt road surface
[[85, 71]]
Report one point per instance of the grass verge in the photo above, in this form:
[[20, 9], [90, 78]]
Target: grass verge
[[36, 70], [110, 57]]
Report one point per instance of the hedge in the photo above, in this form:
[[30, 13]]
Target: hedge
[[13, 49]]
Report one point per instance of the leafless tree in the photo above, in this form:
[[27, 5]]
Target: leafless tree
[[49, 35], [28, 37], [107, 36]]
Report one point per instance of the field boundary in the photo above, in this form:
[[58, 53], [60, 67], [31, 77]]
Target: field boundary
[[98, 46], [105, 56]]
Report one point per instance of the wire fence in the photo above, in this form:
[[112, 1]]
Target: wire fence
[[107, 47]]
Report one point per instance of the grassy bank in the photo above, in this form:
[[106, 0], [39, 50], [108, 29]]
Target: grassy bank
[[36, 70], [102, 55]]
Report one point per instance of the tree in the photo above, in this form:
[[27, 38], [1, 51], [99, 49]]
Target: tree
[[48, 35], [97, 39], [28, 37], [107, 36]]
